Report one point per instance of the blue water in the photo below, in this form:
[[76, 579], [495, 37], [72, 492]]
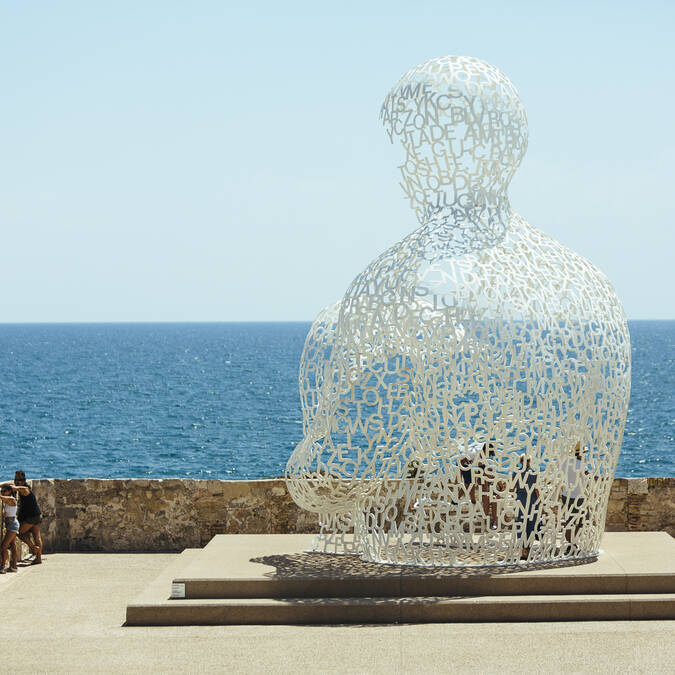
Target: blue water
[[218, 400]]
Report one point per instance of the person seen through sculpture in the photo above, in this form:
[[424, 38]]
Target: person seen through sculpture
[[527, 496], [573, 493], [486, 463]]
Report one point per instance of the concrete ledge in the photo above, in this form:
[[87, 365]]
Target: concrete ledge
[[401, 610]]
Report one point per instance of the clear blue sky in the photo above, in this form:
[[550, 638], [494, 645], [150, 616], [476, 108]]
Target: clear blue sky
[[175, 161]]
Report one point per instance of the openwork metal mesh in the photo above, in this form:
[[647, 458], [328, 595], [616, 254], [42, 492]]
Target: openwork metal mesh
[[464, 403]]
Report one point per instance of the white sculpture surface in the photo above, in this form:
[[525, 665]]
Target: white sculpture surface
[[464, 403]]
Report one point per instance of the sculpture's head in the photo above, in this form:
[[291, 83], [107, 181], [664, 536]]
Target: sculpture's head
[[464, 132]]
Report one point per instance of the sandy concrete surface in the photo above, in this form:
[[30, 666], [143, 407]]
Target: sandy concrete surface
[[66, 616]]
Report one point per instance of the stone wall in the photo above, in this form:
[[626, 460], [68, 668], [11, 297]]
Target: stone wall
[[641, 504], [93, 514], [172, 514]]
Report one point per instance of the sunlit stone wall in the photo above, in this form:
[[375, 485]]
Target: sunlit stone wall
[[169, 515]]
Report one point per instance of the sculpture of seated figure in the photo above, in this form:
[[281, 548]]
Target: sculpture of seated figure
[[474, 329]]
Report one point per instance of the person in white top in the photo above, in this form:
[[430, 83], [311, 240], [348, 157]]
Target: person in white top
[[573, 494], [11, 529]]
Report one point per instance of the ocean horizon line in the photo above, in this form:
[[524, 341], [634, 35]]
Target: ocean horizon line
[[157, 323], [203, 323]]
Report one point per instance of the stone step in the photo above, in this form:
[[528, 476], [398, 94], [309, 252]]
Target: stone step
[[268, 579], [276, 566], [160, 588], [231, 611], [420, 586]]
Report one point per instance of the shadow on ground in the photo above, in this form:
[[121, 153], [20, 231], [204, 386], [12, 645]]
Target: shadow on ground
[[327, 565]]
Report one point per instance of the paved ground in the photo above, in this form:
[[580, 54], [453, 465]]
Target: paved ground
[[66, 616]]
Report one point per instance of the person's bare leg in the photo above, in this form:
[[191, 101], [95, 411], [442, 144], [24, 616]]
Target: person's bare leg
[[25, 534], [11, 548], [485, 501], [493, 514], [577, 529], [14, 554], [37, 538], [5, 546]]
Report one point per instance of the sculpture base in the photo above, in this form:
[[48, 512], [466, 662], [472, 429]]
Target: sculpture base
[[270, 579]]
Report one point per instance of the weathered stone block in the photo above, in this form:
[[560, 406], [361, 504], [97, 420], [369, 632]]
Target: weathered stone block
[[638, 486]]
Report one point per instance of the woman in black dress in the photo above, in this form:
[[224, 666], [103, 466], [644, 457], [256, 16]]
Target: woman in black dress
[[29, 516]]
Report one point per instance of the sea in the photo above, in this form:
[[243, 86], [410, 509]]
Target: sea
[[218, 400]]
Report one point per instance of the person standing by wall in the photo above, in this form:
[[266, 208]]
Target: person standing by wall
[[29, 516], [11, 529]]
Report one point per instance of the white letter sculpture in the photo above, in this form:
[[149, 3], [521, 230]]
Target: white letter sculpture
[[464, 403]]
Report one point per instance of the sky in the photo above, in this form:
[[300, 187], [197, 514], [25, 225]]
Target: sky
[[213, 161]]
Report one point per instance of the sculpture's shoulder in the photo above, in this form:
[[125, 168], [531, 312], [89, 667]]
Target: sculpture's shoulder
[[558, 269], [392, 270]]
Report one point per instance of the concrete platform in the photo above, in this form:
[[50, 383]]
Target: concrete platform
[[276, 566], [252, 579]]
